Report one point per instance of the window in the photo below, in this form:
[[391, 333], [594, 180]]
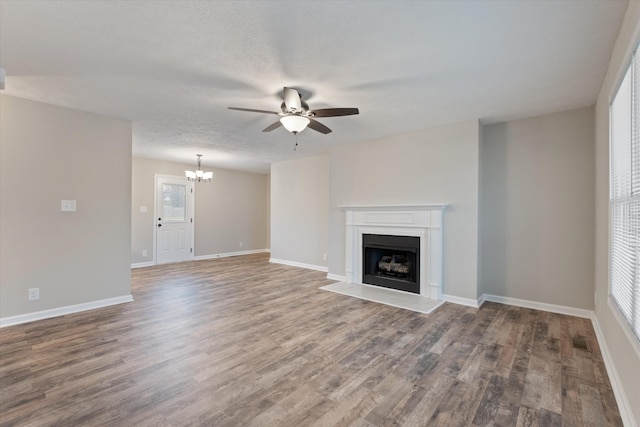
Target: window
[[624, 196], [174, 202]]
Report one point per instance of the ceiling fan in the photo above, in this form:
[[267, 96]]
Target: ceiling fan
[[296, 115]]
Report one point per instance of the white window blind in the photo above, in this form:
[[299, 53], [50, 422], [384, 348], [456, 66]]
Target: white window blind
[[624, 196]]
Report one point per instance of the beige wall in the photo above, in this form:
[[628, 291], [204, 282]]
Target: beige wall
[[231, 209], [300, 210], [623, 347], [437, 165], [50, 153], [537, 209]]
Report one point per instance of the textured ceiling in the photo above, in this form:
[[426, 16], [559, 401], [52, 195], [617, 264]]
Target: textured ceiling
[[173, 67]]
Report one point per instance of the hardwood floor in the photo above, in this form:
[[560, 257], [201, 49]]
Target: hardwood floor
[[239, 341]]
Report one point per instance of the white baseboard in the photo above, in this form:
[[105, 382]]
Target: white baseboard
[[542, 306], [143, 264], [481, 300], [61, 311], [462, 301], [624, 406], [336, 277], [228, 254], [553, 308], [298, 264]]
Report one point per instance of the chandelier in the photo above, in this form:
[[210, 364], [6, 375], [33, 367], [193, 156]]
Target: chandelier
[[198, 175]]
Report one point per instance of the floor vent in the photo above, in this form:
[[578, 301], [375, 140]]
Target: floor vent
[[580, 342]]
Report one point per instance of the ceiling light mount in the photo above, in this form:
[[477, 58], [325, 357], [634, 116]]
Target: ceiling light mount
[[199, 175]]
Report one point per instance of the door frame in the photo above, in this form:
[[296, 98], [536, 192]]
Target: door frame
[[190, 202]]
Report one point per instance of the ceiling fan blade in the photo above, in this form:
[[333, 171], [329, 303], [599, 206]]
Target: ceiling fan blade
[[252, 110], [334, 112], [292, 99], [273, 126], [317, 126]]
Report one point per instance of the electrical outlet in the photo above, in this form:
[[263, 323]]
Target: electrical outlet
[[324, 257], [34, 294], [144, 252], [241, 244]]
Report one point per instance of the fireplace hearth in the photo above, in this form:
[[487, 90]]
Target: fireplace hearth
[[391, 262]]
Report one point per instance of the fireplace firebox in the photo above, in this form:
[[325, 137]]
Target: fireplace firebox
[[391, 261]]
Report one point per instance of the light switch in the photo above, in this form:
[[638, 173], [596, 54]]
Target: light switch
[[68, 206], [143, 209]]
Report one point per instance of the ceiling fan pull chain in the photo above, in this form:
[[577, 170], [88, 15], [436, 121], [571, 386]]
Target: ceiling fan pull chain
[[296, 146]]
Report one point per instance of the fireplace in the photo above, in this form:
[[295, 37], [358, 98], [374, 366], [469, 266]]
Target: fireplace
[[391, 261], [417, 223]]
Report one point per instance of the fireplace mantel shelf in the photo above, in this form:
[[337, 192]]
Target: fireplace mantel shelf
[[416, 206]]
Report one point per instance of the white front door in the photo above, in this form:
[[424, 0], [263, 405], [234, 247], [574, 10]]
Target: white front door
[[174, 219]]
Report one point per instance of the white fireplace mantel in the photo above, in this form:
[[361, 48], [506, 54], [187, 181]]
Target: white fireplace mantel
[[418, 220], [402, 207]]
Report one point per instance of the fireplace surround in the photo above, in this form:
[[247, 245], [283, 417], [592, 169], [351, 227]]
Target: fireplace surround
[[422, 221]]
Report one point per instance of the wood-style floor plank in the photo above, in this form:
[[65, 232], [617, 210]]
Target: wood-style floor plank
[[240, 341]]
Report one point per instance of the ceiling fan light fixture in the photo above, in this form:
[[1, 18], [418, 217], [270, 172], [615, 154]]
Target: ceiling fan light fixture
[[294, 124]]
